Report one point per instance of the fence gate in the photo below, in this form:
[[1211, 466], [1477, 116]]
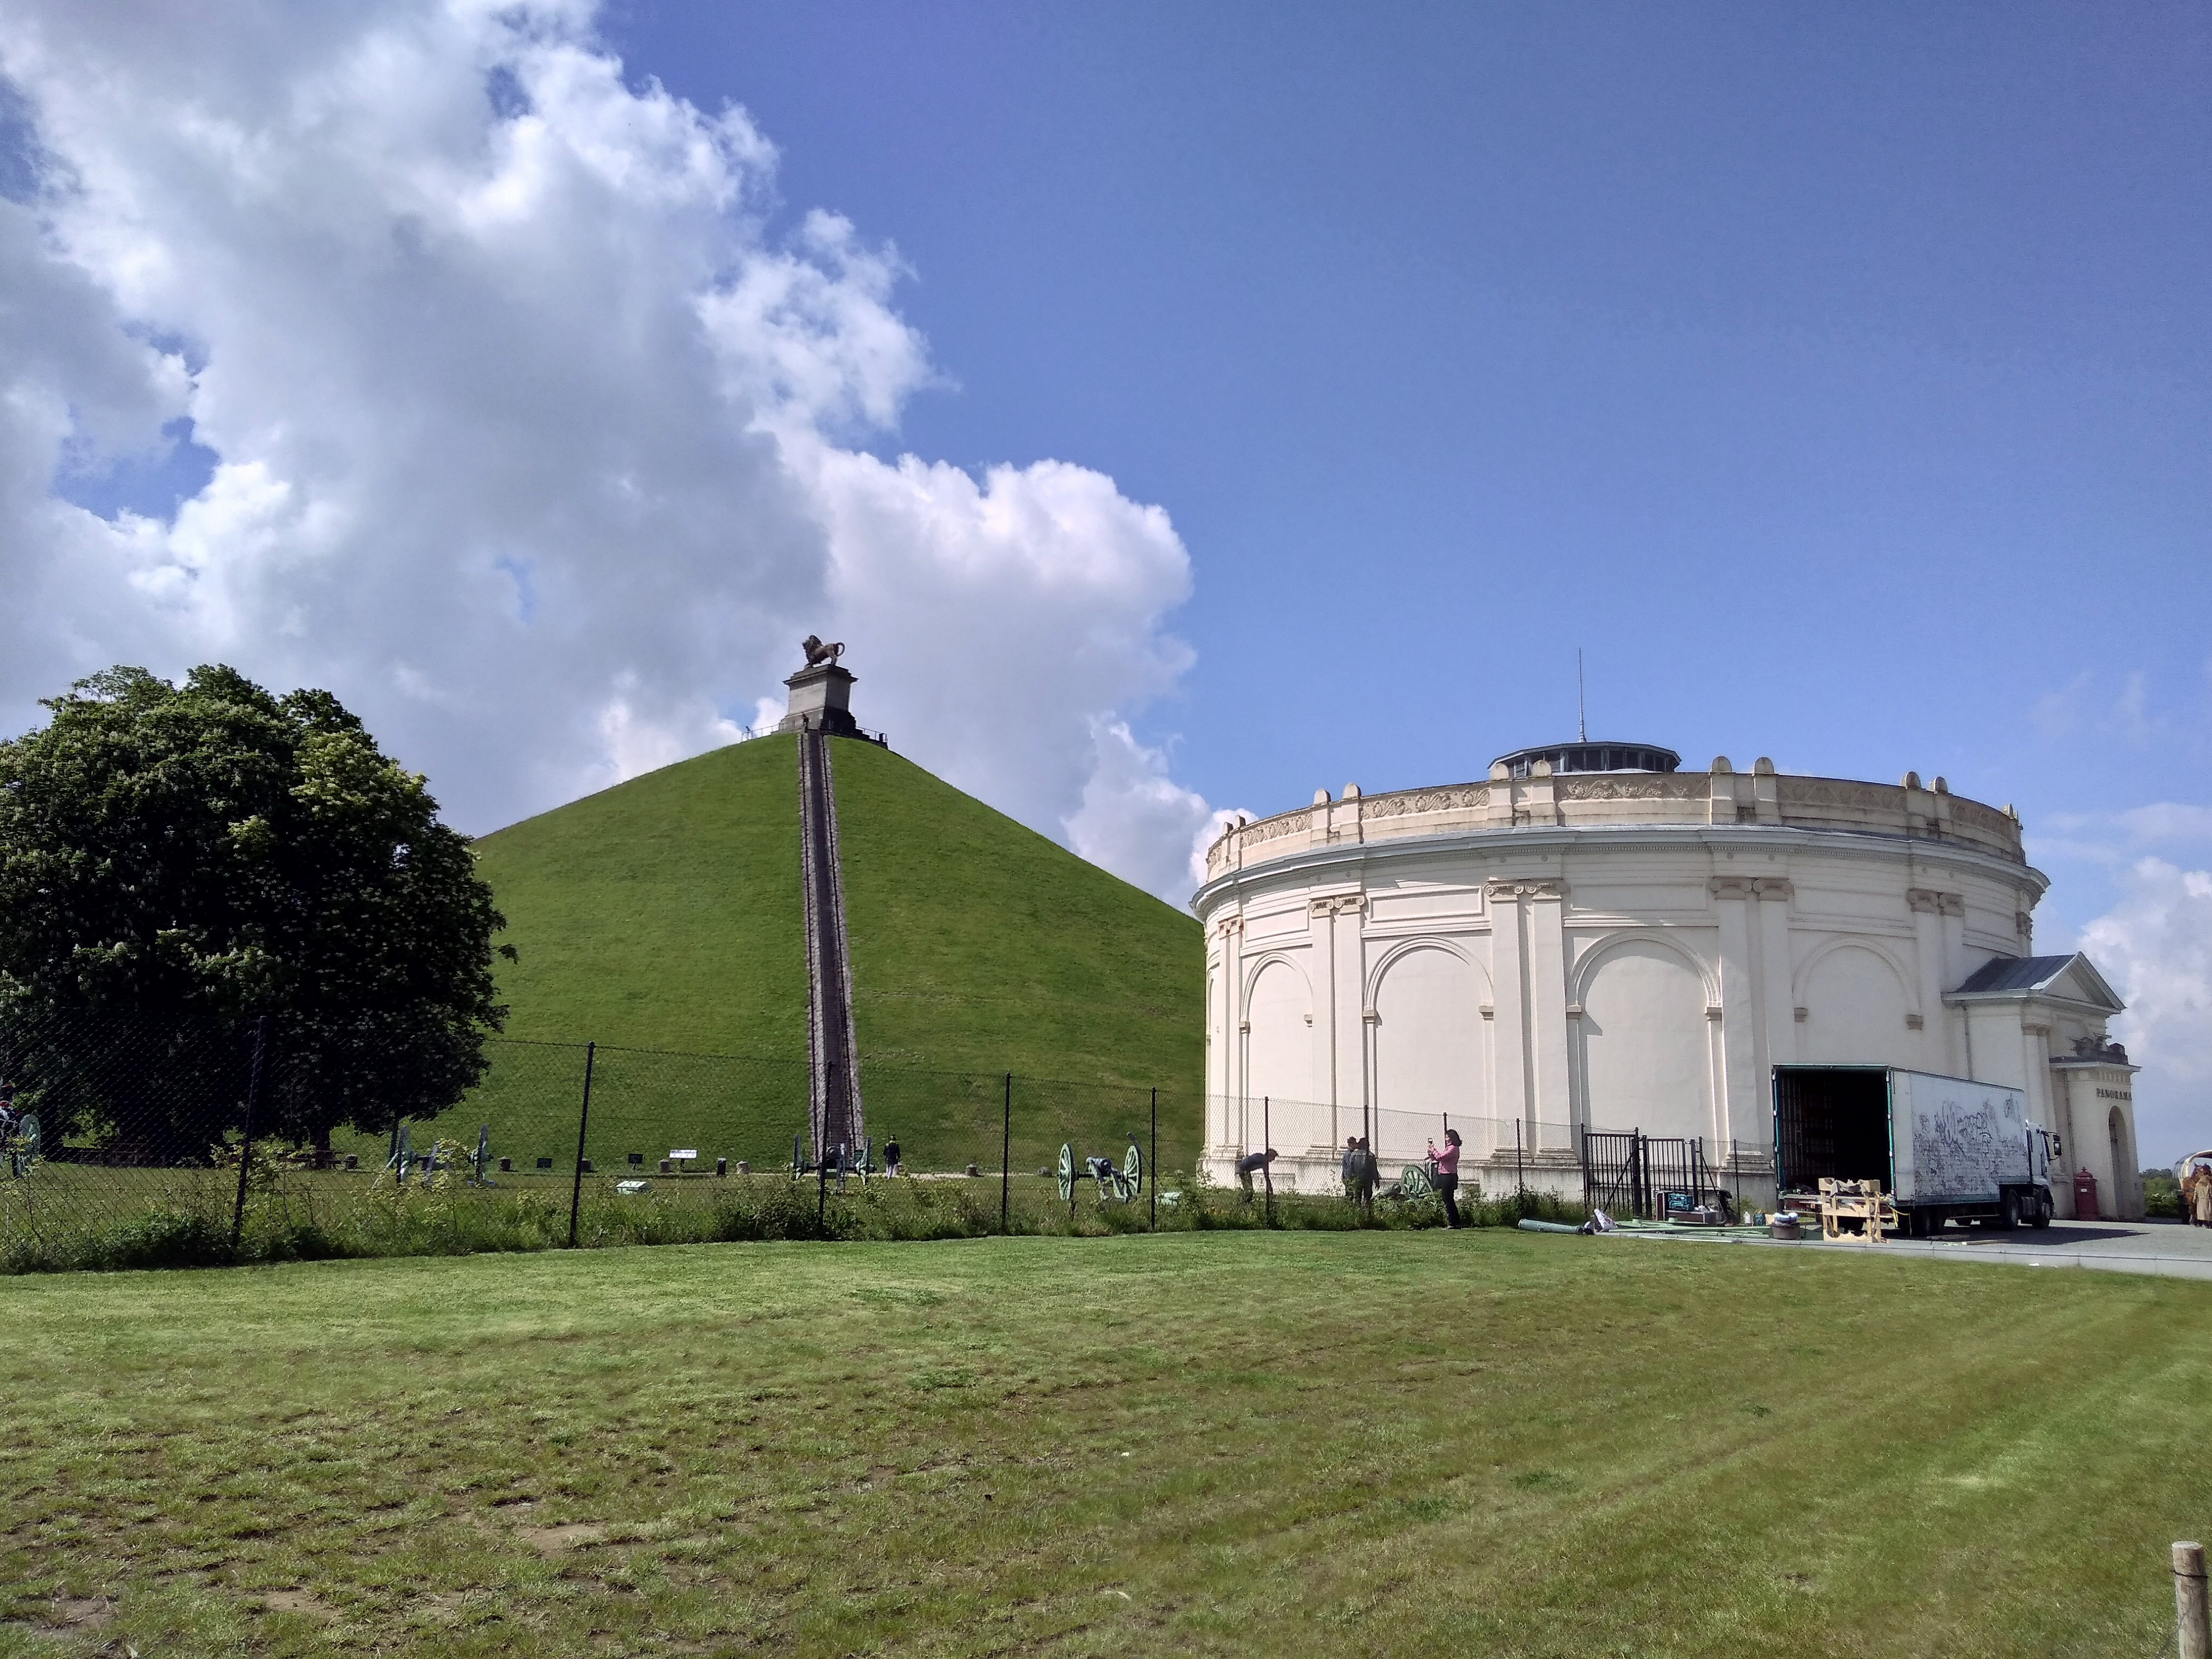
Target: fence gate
[[1633, 1173]]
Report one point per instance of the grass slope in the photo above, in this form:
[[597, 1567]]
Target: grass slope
[[1212, 1444], [979, 944], [666, 914]]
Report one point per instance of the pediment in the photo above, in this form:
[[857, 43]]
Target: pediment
[[2079, 981]]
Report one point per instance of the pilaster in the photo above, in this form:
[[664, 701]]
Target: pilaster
[[1736, 1083], [1548, 987], [1529, 940], [1334, 924], [1927, 907], [1239, 1028], [1512, 1078], [1777, 1019]]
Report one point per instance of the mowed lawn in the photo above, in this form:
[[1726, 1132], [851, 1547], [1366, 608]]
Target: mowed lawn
[[1210, 1443]]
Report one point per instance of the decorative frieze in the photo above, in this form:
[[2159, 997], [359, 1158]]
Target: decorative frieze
[[1927, 902], [1516, 888], [1463, 797], [1337, 904], [1654, 785]]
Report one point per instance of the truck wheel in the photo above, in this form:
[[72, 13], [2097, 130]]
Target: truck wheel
[[2009, 1211], [2042, 1216]]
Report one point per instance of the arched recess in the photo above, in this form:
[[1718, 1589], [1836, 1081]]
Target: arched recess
[[1645, 1047], [1279, 1047], [1427, 1056], [2120, 1138], [1855, 1000]]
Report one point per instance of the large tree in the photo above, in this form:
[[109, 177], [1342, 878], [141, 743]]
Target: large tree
[[176, 861]]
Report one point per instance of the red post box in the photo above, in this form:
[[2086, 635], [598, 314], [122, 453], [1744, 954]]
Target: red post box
[[2085, 1196]]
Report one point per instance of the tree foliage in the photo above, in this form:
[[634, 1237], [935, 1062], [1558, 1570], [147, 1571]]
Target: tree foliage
[[198, 856]]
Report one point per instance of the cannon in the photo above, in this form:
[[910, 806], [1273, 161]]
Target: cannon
[[1119, 1185], [1415, 1180]]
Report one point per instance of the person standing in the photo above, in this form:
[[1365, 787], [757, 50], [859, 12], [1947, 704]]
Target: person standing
[[1349, 1170], [1370, 1176], [1447, 1162], [891, 1156], [2200, 1213]]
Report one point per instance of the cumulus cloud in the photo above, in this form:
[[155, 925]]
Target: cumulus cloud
[[1134, 817], [2156, 946], [521, 423]]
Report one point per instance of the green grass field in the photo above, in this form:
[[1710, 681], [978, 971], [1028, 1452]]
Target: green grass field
[[665, 915], [1205, 1443]]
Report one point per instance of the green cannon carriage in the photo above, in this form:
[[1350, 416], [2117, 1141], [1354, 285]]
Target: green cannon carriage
[[1115, 1185]]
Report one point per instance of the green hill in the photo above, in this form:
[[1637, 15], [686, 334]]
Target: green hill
[[664, 914]]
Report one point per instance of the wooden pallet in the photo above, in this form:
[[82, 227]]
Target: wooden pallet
[[1863, 1201]]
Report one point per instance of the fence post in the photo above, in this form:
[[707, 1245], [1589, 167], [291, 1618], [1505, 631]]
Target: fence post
[[1007, 1162], [245, 1145], [583, 1122], [1519, 1178], [1267, 1164], [1156, 1160], [2191, 1620]]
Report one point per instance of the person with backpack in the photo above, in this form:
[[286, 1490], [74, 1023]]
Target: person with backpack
[[1370, 1176]]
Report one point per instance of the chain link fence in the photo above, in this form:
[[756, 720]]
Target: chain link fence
[[138, 1139], [1579, 1165]]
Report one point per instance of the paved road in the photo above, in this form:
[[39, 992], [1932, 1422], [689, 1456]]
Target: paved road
[[2169, 1249]]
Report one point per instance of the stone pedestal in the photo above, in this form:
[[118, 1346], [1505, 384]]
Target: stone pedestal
[[821, 701]]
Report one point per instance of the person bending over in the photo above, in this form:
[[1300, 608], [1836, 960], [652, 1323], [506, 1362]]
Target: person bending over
[[1254, 1164]]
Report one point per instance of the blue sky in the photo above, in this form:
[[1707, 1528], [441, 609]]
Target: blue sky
[[1258, 398], [1836, 378]]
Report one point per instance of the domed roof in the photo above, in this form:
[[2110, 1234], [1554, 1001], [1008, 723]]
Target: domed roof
[[1583, 755]]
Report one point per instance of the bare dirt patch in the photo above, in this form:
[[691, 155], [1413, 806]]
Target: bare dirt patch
[[298, 1600], [552, 1541]]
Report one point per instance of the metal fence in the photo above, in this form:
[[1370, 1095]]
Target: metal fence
[[1624, 1171], [206, 1130]]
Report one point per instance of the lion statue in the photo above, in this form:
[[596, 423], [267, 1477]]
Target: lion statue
[[818, 653]]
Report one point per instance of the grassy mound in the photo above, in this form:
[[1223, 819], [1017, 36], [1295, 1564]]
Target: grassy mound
[[665, 915]]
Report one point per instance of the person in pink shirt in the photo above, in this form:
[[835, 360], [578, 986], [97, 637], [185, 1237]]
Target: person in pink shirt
[[1447, 1162]]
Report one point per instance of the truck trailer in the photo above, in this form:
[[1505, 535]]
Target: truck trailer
[[1945, 1148]]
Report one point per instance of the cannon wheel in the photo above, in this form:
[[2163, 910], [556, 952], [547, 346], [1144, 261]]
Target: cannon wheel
[[1132, 1169], [1066, 1173], [1414, 1182]]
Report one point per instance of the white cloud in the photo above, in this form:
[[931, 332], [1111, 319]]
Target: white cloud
[[2118, 838], [532, 432], [2156, 946], [1136, 819]]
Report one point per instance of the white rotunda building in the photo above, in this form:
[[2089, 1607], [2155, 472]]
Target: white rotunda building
[[1594, 939]]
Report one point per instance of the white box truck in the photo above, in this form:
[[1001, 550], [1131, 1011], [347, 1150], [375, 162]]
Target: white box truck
[[1945, 1148]]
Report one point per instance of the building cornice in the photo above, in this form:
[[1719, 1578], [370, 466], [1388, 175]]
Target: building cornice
[[1543, 846]]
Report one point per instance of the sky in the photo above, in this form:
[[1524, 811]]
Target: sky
[[1174, 409]]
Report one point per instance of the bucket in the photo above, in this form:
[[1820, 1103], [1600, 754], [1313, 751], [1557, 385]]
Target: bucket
[[1785, 1227]]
